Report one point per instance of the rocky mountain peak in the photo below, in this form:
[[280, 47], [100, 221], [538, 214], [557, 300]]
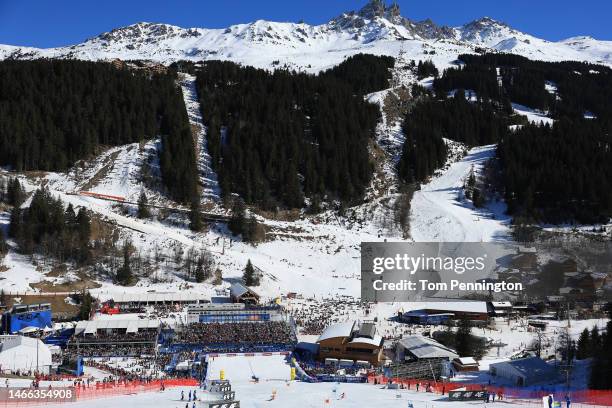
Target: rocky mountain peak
[[485, 22], [145, 30], [378, 8]]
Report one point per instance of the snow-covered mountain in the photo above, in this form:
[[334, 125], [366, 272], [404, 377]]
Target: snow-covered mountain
[[376, 29]]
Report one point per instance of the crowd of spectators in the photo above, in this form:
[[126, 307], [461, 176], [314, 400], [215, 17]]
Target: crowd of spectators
[[110, 350], [143, 370], [118, 337], [236, 333], [312, 317], [320, 369], [115, 343]]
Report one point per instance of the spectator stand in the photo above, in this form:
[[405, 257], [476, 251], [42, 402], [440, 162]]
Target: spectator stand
[[119, 338]]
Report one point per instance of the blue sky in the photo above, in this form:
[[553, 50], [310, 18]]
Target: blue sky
[[47, 23]]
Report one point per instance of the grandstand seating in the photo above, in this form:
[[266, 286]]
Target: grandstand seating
[[424, 369]]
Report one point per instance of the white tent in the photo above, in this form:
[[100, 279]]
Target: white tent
[[19, 353]]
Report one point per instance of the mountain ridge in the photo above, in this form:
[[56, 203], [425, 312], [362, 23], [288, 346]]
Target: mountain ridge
[[376, 28]]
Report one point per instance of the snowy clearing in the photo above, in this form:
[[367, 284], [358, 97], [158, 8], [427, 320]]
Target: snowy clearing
[[532, 115]]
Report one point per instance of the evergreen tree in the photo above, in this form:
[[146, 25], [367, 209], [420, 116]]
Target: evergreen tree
[[478, 198], [584, 345], [2, 297], [3, 191], [463, 339], [55, 112], [15, 194], [3, 244], [550, 173], [83, 222], [426, 69], [601, 368], [471, 183], [143, 206], [15, 227], [252, 231], [249, 276], [195, 216], [199, 271], [86, 305], [595, 340], [124, 274], [429, 122], [237, 220], [70, 216], [275, 137], [566, 346]]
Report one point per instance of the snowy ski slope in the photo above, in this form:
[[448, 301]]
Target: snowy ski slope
[[440, 213], [241, 369], [208, 178]]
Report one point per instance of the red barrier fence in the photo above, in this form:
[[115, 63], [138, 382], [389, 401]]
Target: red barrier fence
[[594, 397], [110, 389], [104, 390], [102, 196]]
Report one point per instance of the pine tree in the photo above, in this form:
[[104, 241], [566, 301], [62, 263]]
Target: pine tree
[[199, 271], [600, 378], [70, 216], [463, 339], [584, 345], [195, 216], [15, 192], [86, 305], [478, 198], [2, 297], [83, 223], [55, 112], [595, 340], [237, 220], [3, 244], [15, 227], [249, 276], [143, 206], [471, 182], [124, 274], [566, 346], [252, 230]]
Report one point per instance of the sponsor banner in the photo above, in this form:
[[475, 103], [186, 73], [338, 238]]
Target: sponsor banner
[[467, 395]]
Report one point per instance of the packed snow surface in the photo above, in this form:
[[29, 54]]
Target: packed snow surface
[[440, 212], [292, 394], [244, 369], [208, 178]]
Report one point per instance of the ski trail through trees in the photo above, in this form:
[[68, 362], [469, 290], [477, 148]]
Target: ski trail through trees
[[208, 177]]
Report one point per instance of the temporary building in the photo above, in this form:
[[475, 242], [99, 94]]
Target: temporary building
[[24, 354], [524, 371]]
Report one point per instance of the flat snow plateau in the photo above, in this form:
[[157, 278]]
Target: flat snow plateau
[[292, 394]]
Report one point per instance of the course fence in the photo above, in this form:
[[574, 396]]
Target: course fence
[[525, 396]]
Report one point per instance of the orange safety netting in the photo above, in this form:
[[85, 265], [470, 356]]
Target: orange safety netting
[[111, 389], [103, 390], [595, 397]]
